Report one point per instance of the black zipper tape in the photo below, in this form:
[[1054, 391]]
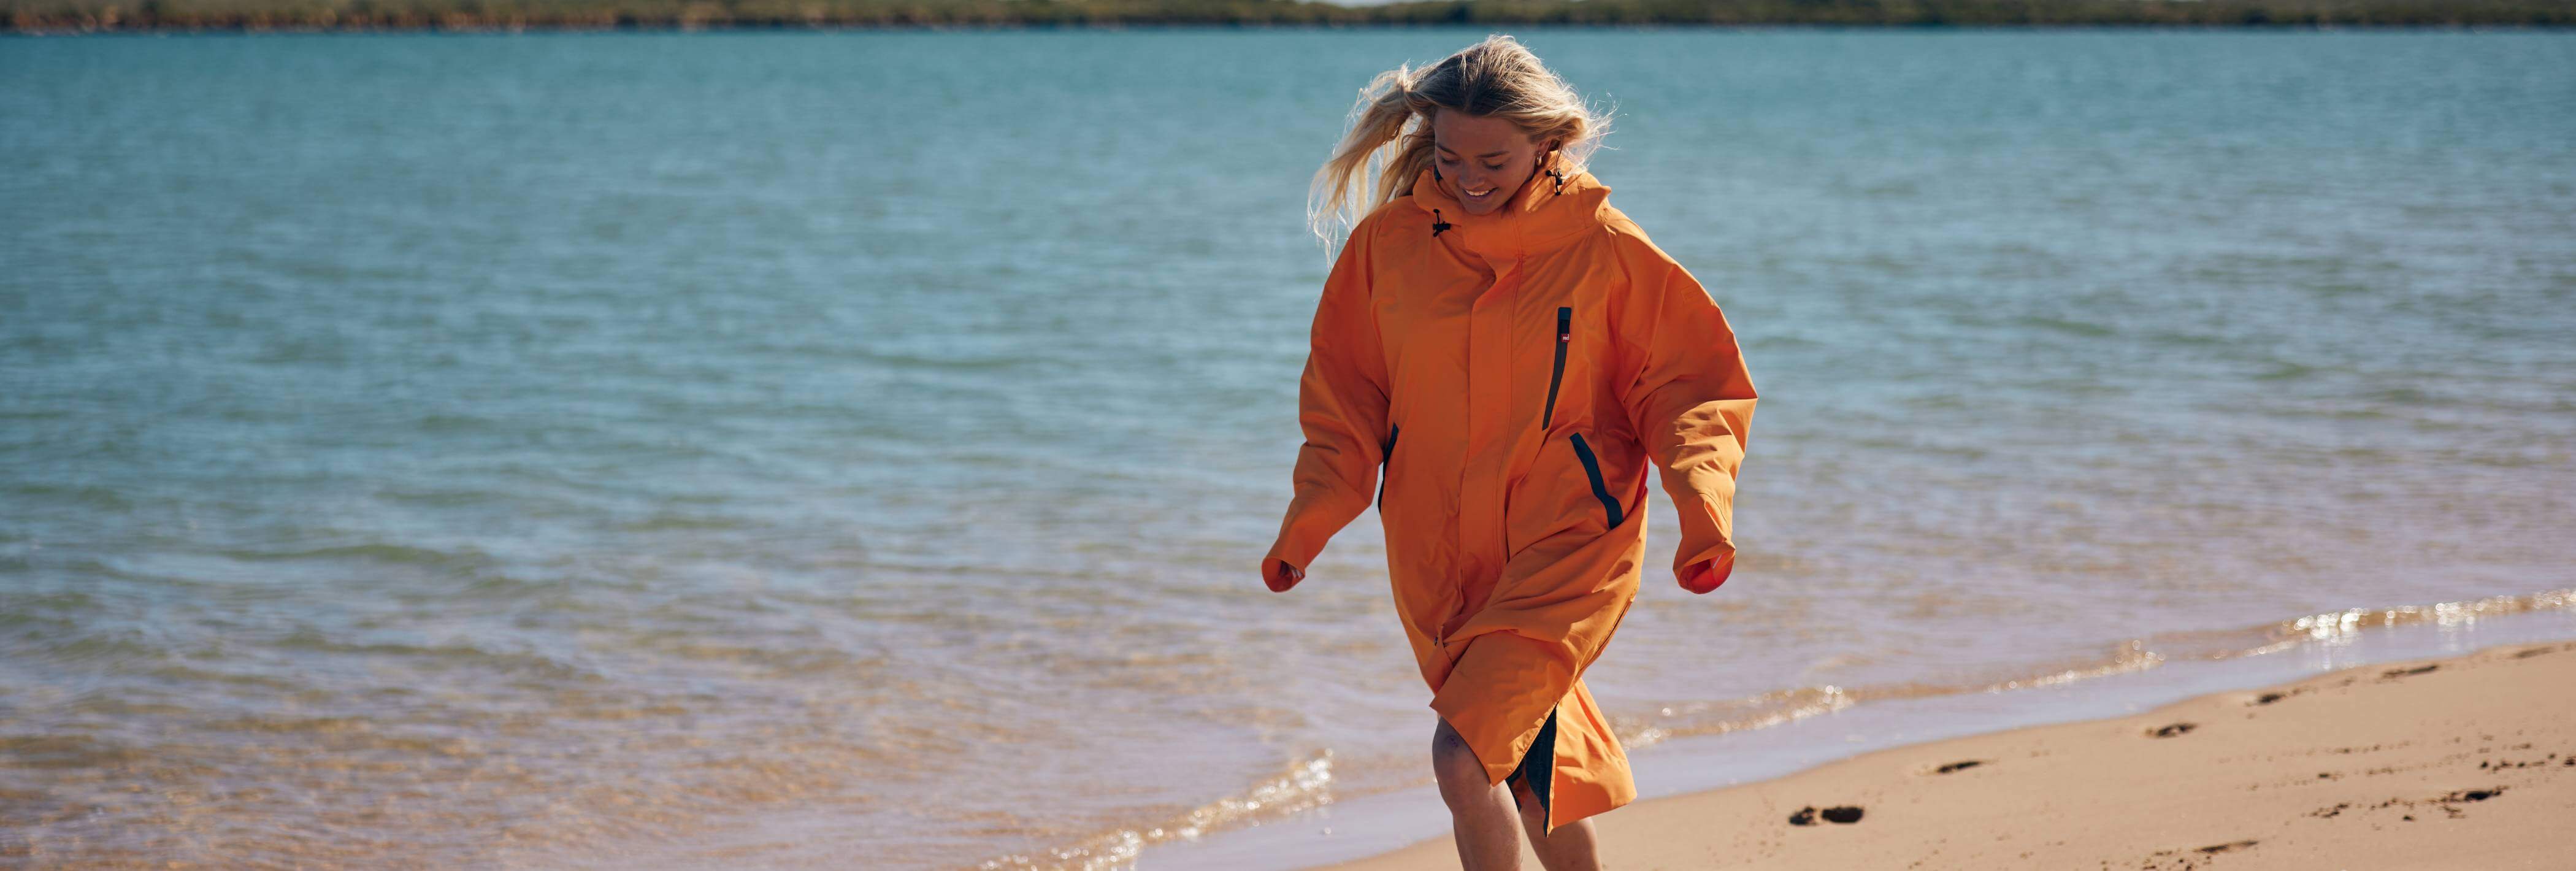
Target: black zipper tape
[[1564, 334], [1592, 469]]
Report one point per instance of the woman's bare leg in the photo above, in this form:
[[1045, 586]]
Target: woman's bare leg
[[1480, 813], [1570, 848]]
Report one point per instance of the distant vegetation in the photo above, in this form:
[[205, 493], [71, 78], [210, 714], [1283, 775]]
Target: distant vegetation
[[103, 15]]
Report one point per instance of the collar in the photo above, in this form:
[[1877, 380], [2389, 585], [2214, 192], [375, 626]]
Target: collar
[[1540, 216]]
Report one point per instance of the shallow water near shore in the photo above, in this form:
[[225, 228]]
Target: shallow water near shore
[[783, 449]]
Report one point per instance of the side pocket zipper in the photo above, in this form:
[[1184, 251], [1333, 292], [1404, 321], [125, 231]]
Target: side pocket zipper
[[1592, 469], [1564, 334], [1386, 463]]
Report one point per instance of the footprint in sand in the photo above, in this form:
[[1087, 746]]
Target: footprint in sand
[[2228, 847], [1806, 816], [2402, 672], [2169, 731], [2268, 698], [1959, 766]]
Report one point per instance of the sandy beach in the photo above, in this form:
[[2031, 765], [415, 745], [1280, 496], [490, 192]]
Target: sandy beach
[[2466, 762]]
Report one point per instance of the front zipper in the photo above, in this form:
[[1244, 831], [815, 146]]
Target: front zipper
[[1592, 469], [1564, 334], [1386, 464]]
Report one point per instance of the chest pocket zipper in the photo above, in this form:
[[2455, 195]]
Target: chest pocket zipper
[[1592, 469], [1564, 335]]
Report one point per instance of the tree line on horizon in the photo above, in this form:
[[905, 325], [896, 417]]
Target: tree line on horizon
[[72, 16]]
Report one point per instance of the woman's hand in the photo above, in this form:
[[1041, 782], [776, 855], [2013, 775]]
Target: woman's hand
[[1280, 575]]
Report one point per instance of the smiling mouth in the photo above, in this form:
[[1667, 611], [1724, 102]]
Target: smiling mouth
[[1480, 193]]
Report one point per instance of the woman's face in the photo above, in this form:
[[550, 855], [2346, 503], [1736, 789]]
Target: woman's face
[[1482, 160]]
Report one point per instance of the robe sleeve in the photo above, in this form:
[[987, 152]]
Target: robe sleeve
[[1342, 406], [1691, 403]]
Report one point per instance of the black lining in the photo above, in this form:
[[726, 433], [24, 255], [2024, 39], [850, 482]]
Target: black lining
[[1538, 766]]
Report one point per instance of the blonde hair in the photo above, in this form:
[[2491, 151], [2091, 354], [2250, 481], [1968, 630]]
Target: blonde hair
[[1388, 141]]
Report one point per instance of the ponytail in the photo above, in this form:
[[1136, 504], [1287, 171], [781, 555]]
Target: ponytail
[[1369, 165]]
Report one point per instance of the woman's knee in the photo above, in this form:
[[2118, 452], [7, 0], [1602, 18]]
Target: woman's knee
[[1455, 763]]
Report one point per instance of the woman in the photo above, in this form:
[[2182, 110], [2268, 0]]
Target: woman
[[1513, 352]]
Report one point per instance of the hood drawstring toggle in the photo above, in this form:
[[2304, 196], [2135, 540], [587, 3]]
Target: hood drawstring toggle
[[1437, 225]]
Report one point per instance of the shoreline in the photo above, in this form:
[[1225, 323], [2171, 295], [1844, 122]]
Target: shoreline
[[2401, 763], [83, 17], [1346, 828]]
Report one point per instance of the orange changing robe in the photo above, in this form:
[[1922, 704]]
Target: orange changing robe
[[1515, 374]]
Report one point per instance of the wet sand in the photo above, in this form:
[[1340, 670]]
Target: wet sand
[[2467, 762]]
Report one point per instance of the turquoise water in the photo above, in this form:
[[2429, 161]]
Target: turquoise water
[[790, 449]]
